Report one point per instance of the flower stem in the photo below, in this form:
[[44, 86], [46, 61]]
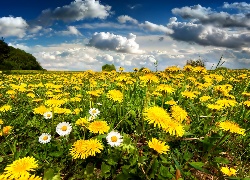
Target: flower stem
[[213, 148]]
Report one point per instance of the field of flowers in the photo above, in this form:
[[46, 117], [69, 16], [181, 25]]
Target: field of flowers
[[187, 123]]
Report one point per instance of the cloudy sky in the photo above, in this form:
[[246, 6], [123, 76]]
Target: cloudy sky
[[86, 34]]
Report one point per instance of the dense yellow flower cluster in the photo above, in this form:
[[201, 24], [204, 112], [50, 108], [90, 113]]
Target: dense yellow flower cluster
[[231, 127]]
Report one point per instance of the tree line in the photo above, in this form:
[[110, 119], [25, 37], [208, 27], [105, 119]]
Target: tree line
[[16, 59]]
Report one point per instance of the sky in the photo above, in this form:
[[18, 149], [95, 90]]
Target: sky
[[81, 35]]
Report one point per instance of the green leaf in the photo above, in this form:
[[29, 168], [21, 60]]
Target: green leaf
[[111, 162], [57, 177], [198, 165], [154, 168], [164, 171], [48, 174], [1, 159], [122, 176], [105, 168], [56, 154], [221, 160], [187, 156]]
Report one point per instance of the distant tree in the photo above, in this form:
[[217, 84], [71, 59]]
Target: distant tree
[[140, 70], [4, 50], [195, 63], [108, 67], [16, 59]]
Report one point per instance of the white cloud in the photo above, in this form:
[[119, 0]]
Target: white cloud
[[207, 16], [125, 18], [109, 25], [20, 46], [209, 35], [105, 58], [75, 11], [109, 41], [71, 31], [237, 5], [35, 29], [154, 27], [13, 26]]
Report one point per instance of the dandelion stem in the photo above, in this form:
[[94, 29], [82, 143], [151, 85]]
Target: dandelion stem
[[213, 148], [151, 163]]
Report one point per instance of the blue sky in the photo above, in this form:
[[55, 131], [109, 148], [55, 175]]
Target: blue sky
[[86, 34]]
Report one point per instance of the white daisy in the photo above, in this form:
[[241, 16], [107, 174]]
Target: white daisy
[[47, 115], [91, 118], [44, 138], [114, 138], [94, 112], [63, 128]]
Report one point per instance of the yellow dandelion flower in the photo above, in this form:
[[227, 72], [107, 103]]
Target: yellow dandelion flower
[[226, 102], [246, 103], [115, 95], [231, 127], [204, 98], [172, 69], [29, 177], [215, 106], [6, 130], [174, 128], [40, 110], [95, 93], [228, 171], [171, 102], [54, 102], [5, 108], [178, 113], [20, 167], [85, 148], [82, 122], [157, 116], [32, 95], [77, 111], [1, 121], [188, 94], [100, 127], [158, 146], [156, 94], [164, 88]]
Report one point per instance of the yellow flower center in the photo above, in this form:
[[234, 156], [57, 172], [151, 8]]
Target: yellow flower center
[[114, 139], [45, 138], [64, 128], [93, 111], [48, 115]]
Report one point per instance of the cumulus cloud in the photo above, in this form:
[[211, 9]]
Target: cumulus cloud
[[71, 31], [13, 26], [208, 35], [107, 25], [237, 5], [35, 29], [109, 41], [105, 58], [155, 27], [20, 46], [75, 11], [125, 18], [207, 16]]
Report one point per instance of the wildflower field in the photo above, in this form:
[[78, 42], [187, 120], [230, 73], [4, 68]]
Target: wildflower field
[[187, 123]]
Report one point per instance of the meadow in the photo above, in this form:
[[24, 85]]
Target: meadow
[[188, 123]]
